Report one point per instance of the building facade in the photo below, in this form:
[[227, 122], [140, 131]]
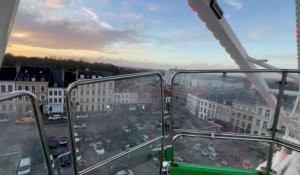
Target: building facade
[[7, 85]]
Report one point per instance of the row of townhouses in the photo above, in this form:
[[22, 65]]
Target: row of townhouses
[[50, 86], [235, 116]]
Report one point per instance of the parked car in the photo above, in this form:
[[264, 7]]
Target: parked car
[[125, 129], [55, 117], [82, 125], [58, 152], [124, 172], [211, 147], [63, 140], [138, 127], [78, 155], [2, 120], [53, 142], [246, 164], [82, 116], [24, 166], [99, 148], [98, 136], [197, 146], [66, 160], [144, 138], [77, 139], [213, 156], [52, 161], [205, 153], [88, 137], [125, 145]]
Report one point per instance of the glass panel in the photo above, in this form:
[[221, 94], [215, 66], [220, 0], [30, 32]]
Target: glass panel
[[115, 116], [231, 102], [285, 161], [220, 152], [145, 161], [289, 123], [20, 148]]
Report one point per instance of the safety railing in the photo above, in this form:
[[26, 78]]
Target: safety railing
[[217, 102], [19, 145], [122, 125]]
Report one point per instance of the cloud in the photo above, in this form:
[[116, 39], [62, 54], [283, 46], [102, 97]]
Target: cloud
[[236, 4], [258, 33], [96, 19], [75, 33], [57, 3], [153, 8]]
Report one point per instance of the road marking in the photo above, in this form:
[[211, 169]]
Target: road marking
[[15, 149]]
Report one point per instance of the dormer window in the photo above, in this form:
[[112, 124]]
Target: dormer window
[[33, 79], [94, 76], [26, 71], [81, 76], [55, 84], [26, 79], [19, 78], [41, 72], [43, 79]]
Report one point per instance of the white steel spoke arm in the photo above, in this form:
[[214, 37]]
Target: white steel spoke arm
[[227, 38], [8, 10]]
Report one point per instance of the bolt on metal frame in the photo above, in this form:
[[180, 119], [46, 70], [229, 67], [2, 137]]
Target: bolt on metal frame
[[71, 121], [271, 140], [38, 118]]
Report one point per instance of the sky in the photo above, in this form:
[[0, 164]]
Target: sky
[[155, 34]]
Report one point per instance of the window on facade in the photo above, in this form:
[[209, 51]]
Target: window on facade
[[103, 92], [98, 100], [2, 88], [81, 92], [243, 124], [59, 100], [255, 132], [92, 107], [42, 89], [93, 92], [201, 102], [244, 116], [11, 107], [26, 88], [238, 114], [232, 120], [19, 87], [249, 126], [10, 88], [59, 93], [93, 100], [233, 113], [103, 99], [42, 98], [250, 118], [267, 114], [87, 92], [110, 85], [55, 93], [237, 122], [205, 103], [99, 92], [259, 111], [204, 110], [87, 100], [81, 99], [265, 125], [282, 129], [3, 108], [33, 89], [257, 123], [50, 100], [55, 100], [81, 108], [86, 108]]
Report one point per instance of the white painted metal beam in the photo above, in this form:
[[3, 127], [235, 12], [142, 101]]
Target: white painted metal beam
[[8, 10]]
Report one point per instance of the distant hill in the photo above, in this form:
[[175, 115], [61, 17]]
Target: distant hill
[[65, 64]]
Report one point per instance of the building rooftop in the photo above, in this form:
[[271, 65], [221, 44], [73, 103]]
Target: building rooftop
[[8, 73], [56, 78], [92, 74], [69, 78], [29, 73]]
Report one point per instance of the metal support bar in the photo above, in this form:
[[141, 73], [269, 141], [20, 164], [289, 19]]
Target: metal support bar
[[276, 119], [70, 112], [38, 118]]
